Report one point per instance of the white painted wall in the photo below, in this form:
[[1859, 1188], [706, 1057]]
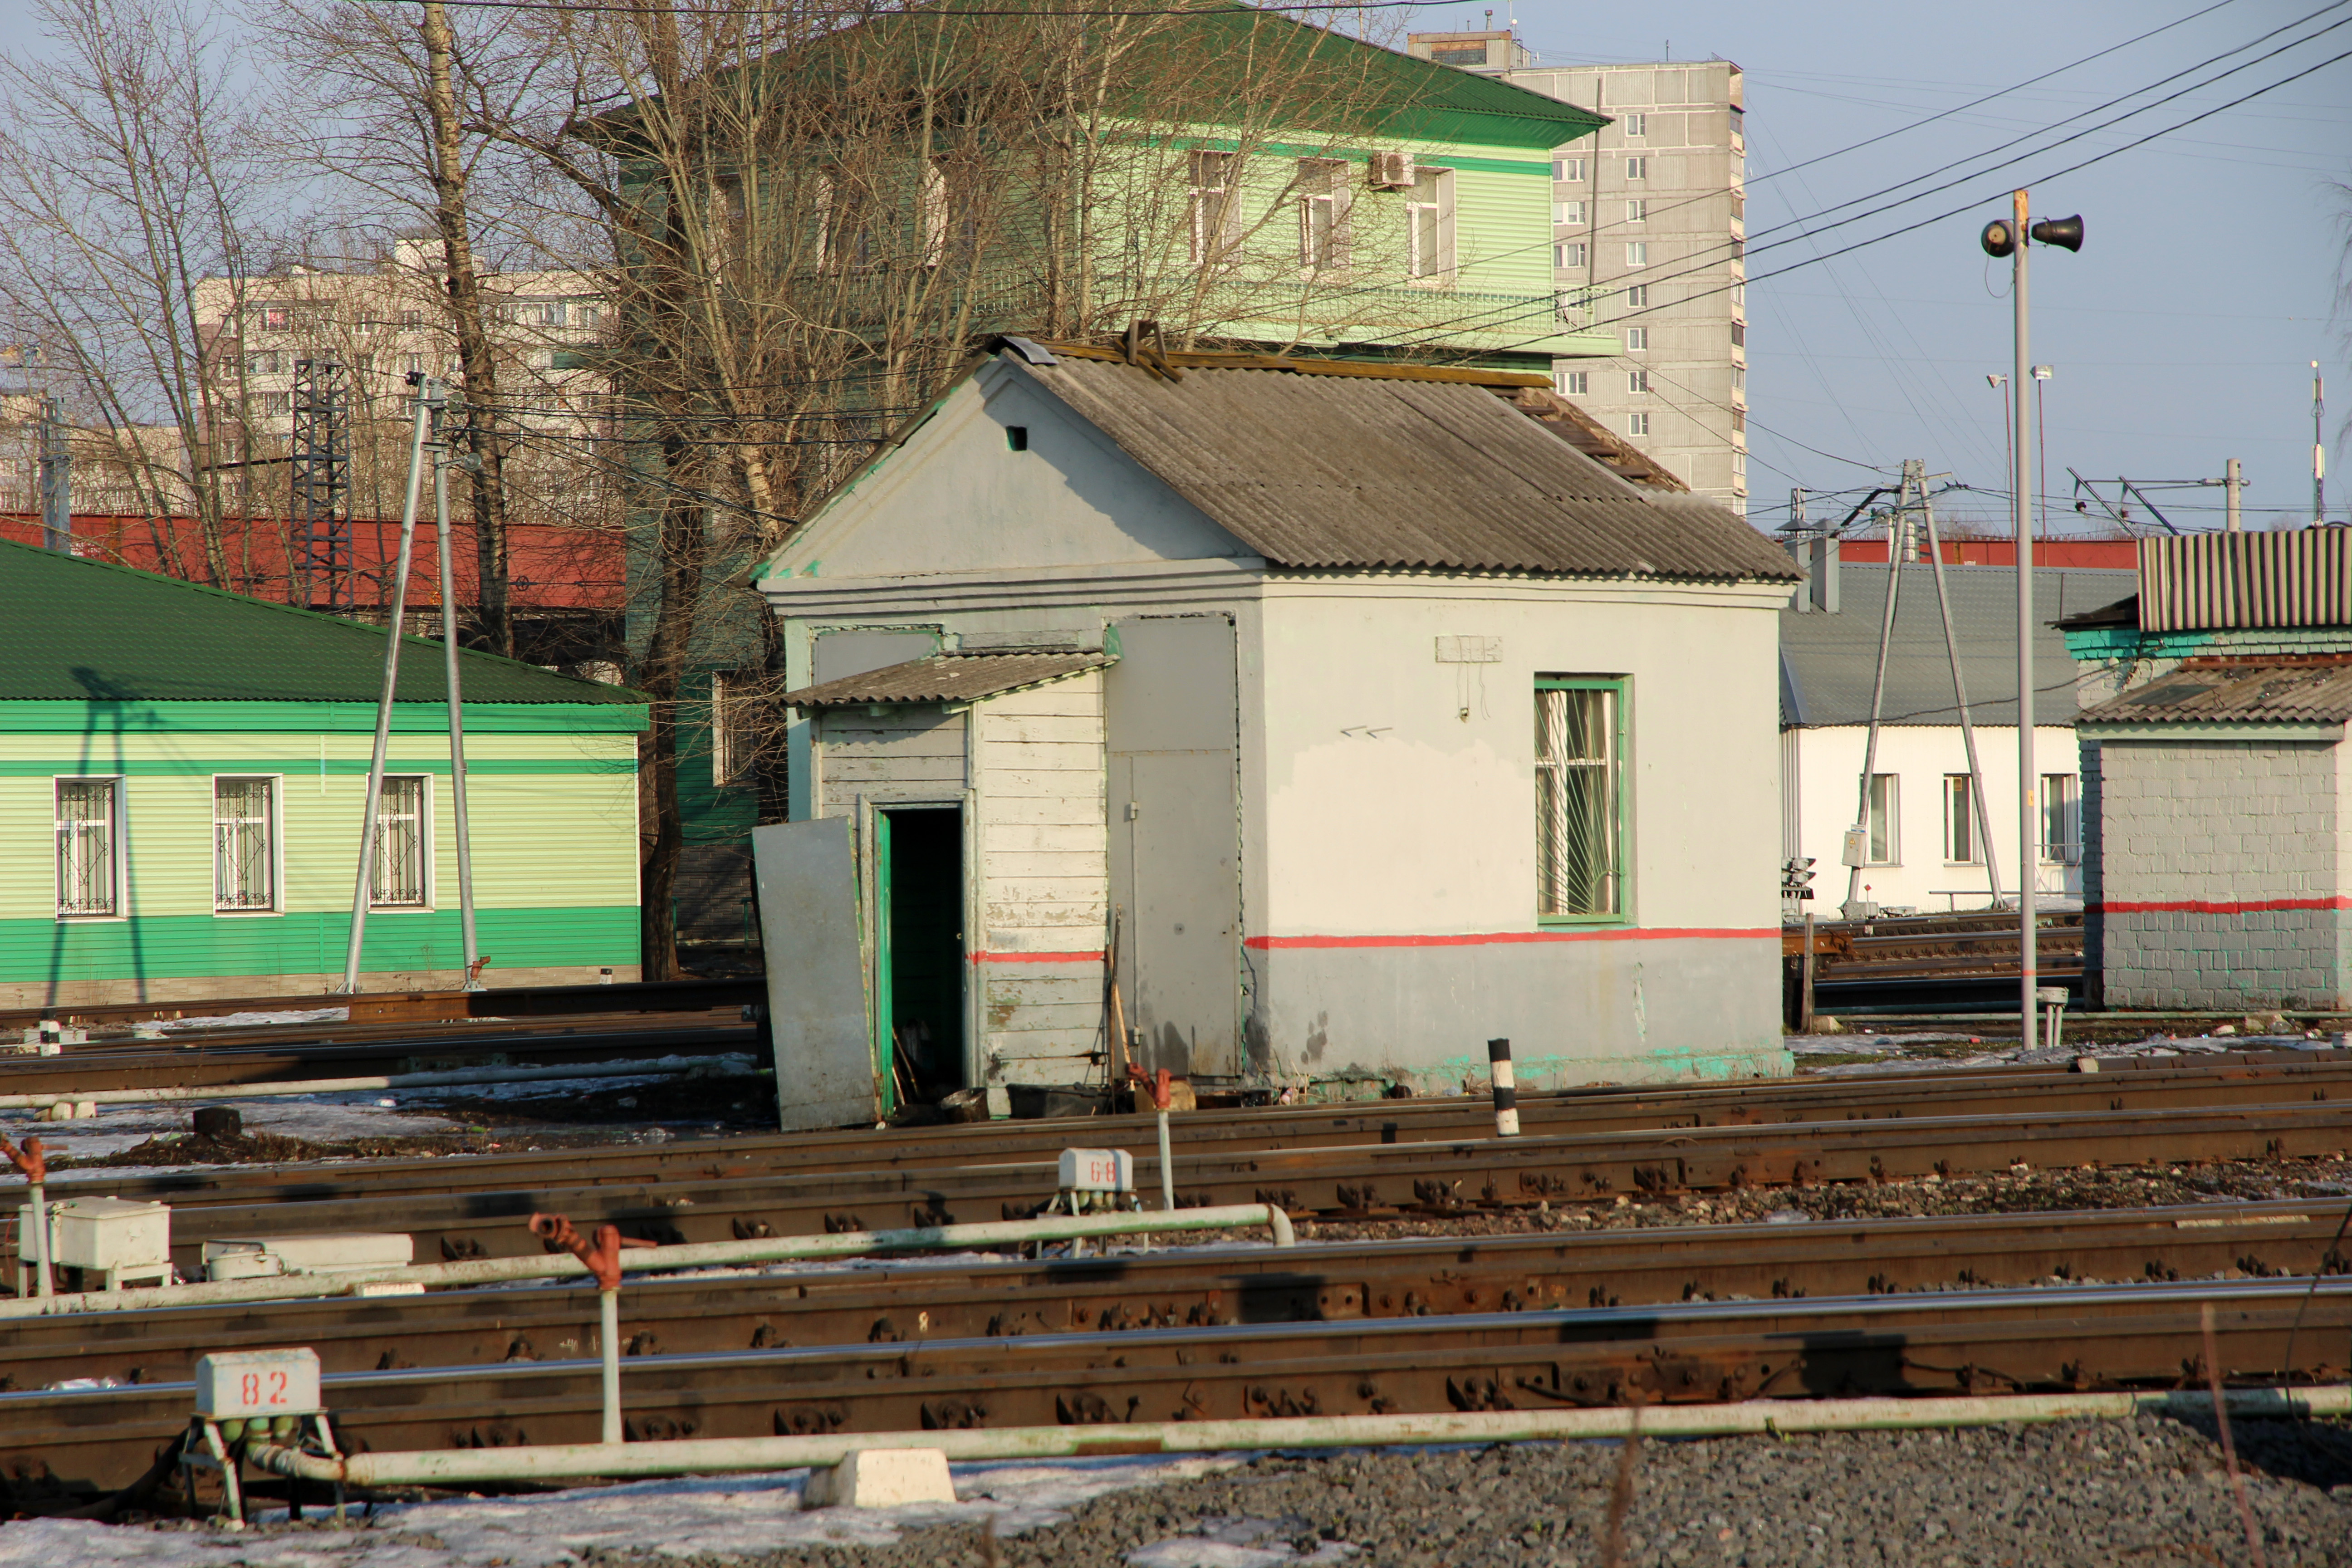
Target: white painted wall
[[1829, 773]]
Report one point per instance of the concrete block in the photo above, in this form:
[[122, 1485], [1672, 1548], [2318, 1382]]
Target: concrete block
[[881, 1478]]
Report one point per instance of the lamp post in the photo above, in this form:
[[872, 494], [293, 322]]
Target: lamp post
[[2008, 238]]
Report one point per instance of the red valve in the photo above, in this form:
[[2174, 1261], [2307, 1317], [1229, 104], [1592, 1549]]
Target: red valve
[[1157, 1083], [33, 1163], [603, 1256]]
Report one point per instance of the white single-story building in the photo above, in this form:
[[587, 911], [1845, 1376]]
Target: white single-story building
[[1925, 847], [1360, 711]]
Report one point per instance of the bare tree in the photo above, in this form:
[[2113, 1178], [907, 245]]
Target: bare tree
[[136, 162]]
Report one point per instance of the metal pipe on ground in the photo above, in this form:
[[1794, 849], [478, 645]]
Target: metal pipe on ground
[[691, 1457], [166, 1096], [648, 1260]]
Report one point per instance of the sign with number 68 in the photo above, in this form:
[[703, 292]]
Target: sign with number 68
[[257, 1383]]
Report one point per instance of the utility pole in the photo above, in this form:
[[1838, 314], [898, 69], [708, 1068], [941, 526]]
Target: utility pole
[[320, 462], [56, 479], [2233, 483], [2318, 448]]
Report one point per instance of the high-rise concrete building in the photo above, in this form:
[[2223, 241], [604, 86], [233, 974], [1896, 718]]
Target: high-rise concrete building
[[1648, 241]]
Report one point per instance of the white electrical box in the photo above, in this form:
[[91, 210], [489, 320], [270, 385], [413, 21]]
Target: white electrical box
[[114, 1237], [267, 1257], [1857, 847], [246, 1384], [1098, 1170]]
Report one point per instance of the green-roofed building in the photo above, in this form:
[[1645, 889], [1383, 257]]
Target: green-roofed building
[[183, 773]]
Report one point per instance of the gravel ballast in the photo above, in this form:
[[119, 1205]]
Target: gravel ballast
[[2150, 1491]]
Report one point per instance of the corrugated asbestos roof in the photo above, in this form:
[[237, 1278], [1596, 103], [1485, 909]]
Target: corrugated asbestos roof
[[947, 678], [2273, 692], [75, 630], [1366, 472], [1828, 662]]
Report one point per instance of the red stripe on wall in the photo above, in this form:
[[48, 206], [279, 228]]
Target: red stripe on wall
[[2216, 907], [1484, 938], [985, 957]]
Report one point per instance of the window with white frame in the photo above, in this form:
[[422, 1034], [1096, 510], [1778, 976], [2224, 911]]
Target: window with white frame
[[1567, 254], [1637, 253], [244, 843], [1429, 224], [1325, 191], [89, 822], [2062, 819], [276, 318], [1574, 383], [1637, 296], [1637, 168], [1961, 845], [1636, 124], [735, 723], [1637, 381], [403, 839], [1883, 821], [1637, 338], [1215, 214], [1637, 210], [1568, 212], [1637, 425], [1580, 757], [1568, 169]]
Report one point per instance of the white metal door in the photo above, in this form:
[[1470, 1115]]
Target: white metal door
[[817, 996]]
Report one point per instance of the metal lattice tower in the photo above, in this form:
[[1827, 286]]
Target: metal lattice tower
[[320, 456]]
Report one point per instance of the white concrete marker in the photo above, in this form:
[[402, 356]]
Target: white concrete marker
[[1506, 1088], [881, 1478]]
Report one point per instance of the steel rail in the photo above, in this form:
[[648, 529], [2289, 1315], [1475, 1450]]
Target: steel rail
[[1430, 1178], [1901, 1097], [981, 1298], [2070, 1339]]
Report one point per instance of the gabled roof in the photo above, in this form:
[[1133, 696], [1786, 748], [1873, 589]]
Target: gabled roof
[[75, 631], [2234, 691], [947, 678], [1397, 466], [1828, 663]]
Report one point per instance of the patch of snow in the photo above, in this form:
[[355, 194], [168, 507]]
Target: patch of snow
[[701, 1516], [317, 1118], [1218, 1542]]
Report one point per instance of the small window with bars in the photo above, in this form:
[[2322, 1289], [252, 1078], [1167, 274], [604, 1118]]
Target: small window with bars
[[244, 843], [1580, 756], [403, 835], [88, 824]]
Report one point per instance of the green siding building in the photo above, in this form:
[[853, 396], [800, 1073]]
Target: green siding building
[[183, 773]]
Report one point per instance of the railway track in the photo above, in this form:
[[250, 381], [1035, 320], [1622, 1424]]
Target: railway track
[[266, 1056], [2312, 1078], [1430, 1176], [62, 1445]]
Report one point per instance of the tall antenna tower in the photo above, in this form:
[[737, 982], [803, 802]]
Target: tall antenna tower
[[56, 479], [320, 456]]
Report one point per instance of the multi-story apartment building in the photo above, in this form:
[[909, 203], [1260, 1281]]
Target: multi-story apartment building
[[1649, 241]]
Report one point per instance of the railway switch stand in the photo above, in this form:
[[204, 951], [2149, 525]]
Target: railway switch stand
[[245, 1397]]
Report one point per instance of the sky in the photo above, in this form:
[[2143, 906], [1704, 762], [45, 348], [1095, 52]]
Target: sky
[[2181, 336]]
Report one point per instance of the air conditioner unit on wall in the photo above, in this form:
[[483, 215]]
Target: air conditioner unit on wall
[[1391, 171]]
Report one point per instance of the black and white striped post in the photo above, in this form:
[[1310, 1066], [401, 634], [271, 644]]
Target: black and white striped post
[[1507, 1090]]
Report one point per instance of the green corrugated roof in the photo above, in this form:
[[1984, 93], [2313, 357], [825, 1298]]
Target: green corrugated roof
[[83, 630]]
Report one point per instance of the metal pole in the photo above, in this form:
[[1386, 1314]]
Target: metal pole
[[56, 479], [457, 718], [1166, 1167], [1877, 694], [608, 1313], [2021, 508], [1805, 999], [1959, 686], [2318, 446], [429, 398], [43, 1285], [2234, 483]]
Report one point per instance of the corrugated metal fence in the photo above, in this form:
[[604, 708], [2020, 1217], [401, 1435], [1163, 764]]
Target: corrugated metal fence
[[2196, 580]]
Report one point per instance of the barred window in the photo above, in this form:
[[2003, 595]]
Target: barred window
[[87, 825], [1580, 817], [244, 860], [402, 828]]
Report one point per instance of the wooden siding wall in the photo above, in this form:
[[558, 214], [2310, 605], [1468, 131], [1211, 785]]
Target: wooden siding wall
[[1044, 881], [554, 820], [906, 754]]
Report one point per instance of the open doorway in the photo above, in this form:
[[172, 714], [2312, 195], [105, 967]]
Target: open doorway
[[919, 971]]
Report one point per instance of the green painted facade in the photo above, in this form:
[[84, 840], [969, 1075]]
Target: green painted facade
[[551, 765]]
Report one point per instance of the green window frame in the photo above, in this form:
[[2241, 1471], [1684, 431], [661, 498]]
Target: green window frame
[[1582, 871]]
